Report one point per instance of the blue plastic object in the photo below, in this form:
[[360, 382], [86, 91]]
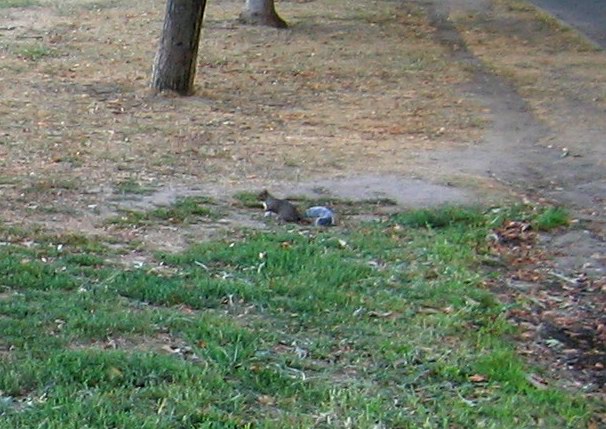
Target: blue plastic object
[[323, 216]]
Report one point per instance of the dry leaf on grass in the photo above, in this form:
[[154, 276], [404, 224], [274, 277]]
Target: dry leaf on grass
[[478, 378], [266, 400], [537, 381]]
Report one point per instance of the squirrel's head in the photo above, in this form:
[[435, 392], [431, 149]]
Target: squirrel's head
[[263, 195]]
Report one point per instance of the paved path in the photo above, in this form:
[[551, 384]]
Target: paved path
[[588, 16]]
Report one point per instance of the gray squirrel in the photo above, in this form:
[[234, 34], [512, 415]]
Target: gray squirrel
[[287, 212]]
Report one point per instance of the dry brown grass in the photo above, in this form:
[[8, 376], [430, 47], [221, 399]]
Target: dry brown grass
[[348, 88], [555, 69]]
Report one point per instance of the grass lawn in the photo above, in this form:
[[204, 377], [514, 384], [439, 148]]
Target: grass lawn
[[385, 324]]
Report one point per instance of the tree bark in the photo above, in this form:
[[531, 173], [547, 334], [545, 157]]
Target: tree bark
[[261, 12], [175, 62]]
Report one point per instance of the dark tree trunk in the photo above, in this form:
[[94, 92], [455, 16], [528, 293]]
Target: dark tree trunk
[[175, 62], [261, 12]]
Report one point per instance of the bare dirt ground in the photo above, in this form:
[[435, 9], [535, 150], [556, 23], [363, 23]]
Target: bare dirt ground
[[423, 102], [345, 101], [547, 140]]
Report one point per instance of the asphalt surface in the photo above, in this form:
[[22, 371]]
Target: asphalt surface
[[587, 16]]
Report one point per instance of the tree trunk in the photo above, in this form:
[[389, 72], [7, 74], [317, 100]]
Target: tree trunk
[[261, 12], [175, 62]]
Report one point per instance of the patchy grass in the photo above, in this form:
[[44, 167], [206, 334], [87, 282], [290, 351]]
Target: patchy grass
[[551, 218], [555, 69], [51, 184], [34, 52], [247, 199], [440, 218], [133, 186], [17, 3], [383, 324], [184, 210], [346, 207], [5, 180]]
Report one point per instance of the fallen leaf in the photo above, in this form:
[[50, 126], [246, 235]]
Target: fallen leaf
[[537, 381], [477, 378], [528, 335], [266, 400], [256, 367]]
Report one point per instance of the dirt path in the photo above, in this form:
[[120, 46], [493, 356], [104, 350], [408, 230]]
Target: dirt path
[[514, 152], [563, 164], [511, 148]]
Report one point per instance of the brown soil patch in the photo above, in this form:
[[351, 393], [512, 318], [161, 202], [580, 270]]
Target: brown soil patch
[[558, 71], [560, 316], [344, 91], [160, 343], [338, 92]]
